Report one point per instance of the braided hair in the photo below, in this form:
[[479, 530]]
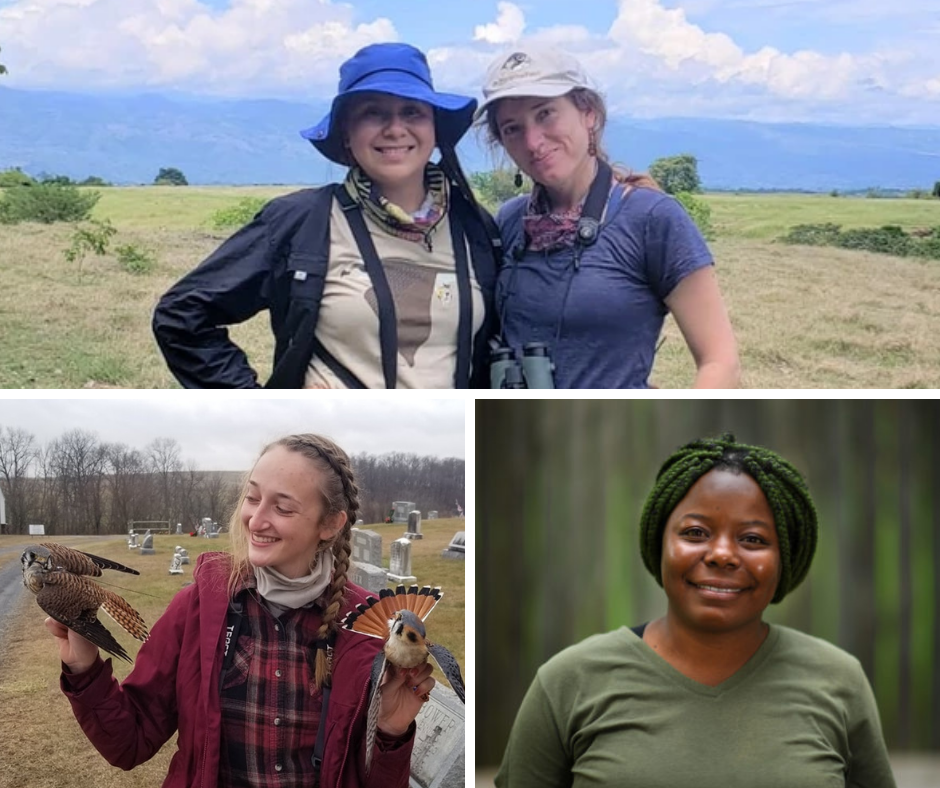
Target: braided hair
[[782, 484], [340, 494]]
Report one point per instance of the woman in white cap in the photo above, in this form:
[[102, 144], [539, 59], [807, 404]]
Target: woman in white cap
[[595, 256], [383, 281]]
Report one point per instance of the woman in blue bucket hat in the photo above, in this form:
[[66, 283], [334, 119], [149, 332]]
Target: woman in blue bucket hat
[[382, 281]]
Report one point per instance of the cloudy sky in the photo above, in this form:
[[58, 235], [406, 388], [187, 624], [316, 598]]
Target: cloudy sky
[[227, 433], [849, 61]]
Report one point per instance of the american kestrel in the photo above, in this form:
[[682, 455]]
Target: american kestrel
[[54, 573], [398, 617]]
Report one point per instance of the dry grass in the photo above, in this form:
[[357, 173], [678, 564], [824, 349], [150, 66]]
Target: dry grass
[[805, 317], [37, 719], [811, 317]]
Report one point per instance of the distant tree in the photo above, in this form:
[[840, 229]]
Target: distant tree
[[495, 187], [936, 190], [677, 174], [94, 180], [834, 193], [56, 180], [3, 69], [170, 176]]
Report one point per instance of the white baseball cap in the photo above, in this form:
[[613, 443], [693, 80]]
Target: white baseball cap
[[534, 71]]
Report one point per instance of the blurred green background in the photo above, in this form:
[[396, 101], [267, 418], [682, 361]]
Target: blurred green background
[[559, 489]]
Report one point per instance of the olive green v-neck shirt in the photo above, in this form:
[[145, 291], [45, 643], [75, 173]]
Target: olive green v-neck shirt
[[609, 711]]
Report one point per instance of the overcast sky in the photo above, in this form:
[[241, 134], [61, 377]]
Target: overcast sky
[[850, 61], [227, 433]]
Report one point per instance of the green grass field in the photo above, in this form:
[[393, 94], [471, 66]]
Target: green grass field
[[805, 317], [35, 711]]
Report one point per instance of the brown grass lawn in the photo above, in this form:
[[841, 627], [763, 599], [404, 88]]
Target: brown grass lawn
[[41, 745], [805, 317]]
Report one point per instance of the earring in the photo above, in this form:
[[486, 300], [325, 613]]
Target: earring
[[592, 143], [517, 181]]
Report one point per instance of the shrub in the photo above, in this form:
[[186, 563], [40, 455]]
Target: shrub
[[237, 215], [700, 212], [135, 260], [495, 187], [15, 177], [90, 239], [813, 234], [46, 203], [886, 240]]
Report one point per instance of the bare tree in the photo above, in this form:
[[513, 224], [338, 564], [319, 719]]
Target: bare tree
[[163, 459], [18, 451], [79, 462], [129, 485]]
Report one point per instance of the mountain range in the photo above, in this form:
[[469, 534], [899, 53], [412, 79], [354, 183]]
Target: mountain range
[[127, 138]]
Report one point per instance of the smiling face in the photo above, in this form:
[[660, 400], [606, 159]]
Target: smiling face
[[721, 557], [548, 139], [283, 513], [391, 138]]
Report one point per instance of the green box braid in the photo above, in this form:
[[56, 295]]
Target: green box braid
[[784, 486]]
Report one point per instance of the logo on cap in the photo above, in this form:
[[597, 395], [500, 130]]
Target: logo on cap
[[515, 61]]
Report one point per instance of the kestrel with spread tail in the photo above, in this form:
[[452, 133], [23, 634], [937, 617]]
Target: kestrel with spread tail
[[57, 576], [398, 617]]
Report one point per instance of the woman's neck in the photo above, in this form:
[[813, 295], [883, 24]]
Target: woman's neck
[[570, 195], [704, 656]]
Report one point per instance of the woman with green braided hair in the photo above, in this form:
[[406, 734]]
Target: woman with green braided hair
[[709, 695]]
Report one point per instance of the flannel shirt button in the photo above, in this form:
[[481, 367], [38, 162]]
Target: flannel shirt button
[[277, 720], [277, 673], [278, 767]]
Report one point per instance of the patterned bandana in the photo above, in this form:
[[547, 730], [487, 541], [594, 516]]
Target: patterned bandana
[[397, 221], [547, 230]]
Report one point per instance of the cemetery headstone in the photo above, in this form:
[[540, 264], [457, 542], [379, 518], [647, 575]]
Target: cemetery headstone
[[432, 515], [366, 547], [414, 526], [132, 543], [176, 564], [457, 547], [146, 547], [371, 578], [400, 510], [437, 760], [183, 553], [399, 568]]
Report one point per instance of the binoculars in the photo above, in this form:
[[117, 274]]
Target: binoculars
[[533, 372]]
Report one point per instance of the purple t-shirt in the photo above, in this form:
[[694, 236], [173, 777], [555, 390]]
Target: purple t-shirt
[[601, 320]]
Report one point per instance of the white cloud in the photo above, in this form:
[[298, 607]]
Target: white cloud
[[252, 46], [508, 28]]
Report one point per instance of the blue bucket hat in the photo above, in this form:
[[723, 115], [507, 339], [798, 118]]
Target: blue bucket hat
[[399, 70]]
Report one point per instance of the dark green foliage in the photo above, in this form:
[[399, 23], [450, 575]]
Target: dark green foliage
[[46, 203], [936, 190], [495, 187], [56, 180], [786, 491], [889, 239], [700, 212], [15, 177], [237, 215], [170, 176], [94, 180], [677, 174]]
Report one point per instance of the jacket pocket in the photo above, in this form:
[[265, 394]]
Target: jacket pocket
[[237, 674]]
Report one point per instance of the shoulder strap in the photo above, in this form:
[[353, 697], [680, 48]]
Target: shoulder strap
[[388, 322], [295, 339], [464, 303]]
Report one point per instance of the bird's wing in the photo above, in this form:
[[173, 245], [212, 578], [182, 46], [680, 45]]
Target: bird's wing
[[449, 667], [83, 563], [67, 599], [375, 704], [121, 611]]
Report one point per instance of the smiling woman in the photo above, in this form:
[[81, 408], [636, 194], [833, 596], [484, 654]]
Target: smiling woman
[[709, 694], [383, 281], [245, 660]]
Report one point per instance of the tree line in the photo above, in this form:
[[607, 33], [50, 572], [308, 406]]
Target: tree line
[[78, 484]]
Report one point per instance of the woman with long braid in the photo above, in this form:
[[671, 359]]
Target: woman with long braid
[[249, 663], [709, 695]]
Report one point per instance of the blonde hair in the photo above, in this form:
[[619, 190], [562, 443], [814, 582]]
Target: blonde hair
[[340, 494], [585, 100]]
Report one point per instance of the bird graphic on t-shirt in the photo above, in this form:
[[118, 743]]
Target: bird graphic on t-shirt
[[56, 574], [398, 617]]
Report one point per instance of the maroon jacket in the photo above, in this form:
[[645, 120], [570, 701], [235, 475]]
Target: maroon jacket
[[175, 686]]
